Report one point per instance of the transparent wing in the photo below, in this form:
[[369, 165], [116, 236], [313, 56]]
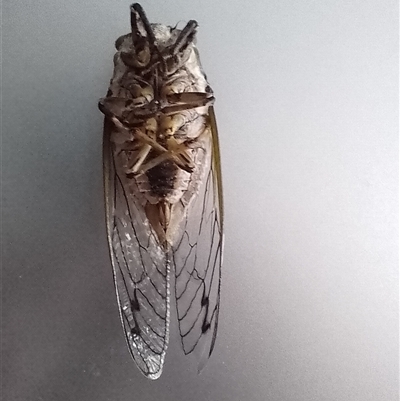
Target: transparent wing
[[197, 259], [140, 267]]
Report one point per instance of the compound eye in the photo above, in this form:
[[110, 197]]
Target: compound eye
[[136, 60], [120, 40]]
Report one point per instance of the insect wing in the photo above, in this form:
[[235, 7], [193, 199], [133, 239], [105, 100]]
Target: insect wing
[[197, 259], [140, 266]]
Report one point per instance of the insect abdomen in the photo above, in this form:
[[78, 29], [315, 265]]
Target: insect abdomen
[[162, 179]]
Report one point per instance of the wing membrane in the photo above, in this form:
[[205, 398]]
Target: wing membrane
[[197, 259], [140, 267]]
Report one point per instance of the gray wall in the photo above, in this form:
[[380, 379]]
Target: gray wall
[[307, 105]]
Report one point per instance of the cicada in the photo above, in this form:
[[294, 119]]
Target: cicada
[[163, 192]]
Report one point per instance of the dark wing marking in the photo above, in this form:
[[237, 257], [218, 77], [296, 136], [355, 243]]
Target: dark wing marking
[[140, 266], [197, 259]]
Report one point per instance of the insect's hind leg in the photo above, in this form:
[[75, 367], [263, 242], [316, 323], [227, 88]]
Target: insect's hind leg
[[143, 153]]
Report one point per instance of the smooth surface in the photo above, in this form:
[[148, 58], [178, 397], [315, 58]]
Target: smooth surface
[[307, 106]]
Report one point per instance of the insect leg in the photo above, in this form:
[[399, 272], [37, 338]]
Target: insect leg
[[138, 17], [189, 97], [156, 146], [146, 139], [143, 40], [185, 37], [172, 109], [143, 153], [154, 162], [181, 160]]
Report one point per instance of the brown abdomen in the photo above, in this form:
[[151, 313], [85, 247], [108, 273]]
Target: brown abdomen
[[162, 178]]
